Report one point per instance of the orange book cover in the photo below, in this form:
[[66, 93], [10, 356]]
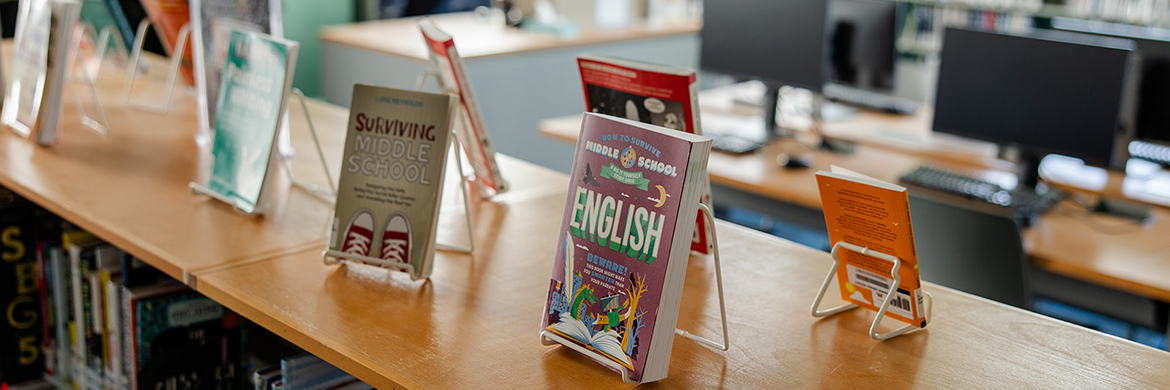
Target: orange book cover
[[873, 214], [168, 17]]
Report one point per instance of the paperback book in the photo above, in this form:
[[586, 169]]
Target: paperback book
[[212, 23], [872, 214], [254, 95], [618, 274], [392, 176], [648, 93], [472, 133], [44, 30]]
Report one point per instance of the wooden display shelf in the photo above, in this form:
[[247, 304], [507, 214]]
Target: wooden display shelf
[[475, 323], [479, 39]]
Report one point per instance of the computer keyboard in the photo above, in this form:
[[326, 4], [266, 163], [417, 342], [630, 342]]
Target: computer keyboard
[[1150, 152], [872, 100], [733, 144], [1024, 201]]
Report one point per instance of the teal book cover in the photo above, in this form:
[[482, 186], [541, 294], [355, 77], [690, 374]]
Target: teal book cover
[[254, 92]]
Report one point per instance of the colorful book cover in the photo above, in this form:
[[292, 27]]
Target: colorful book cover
[[255, 92], [648, 93], [22, 103], [212, 24], [183, 340], [392, 175], [97, 14], [168, 17], [472, 133], [872, 214], [617, 274], [22, 332]]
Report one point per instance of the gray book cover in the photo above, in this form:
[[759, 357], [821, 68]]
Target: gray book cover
[[391, 183]]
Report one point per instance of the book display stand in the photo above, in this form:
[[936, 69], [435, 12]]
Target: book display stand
[[136, 57], [873, 333], [549, 338], [100, 124], [311, 187]]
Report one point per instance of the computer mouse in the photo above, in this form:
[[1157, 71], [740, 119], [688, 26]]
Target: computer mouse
[[792, 161]]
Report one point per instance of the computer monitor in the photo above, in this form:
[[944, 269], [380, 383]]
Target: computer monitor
[[780, 42], [1047, 92], [1153, 94], [861, 35]]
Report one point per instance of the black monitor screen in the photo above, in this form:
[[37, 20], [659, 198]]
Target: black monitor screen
[[1153, 102], [861, 43], [777, 41], [1042, 93]]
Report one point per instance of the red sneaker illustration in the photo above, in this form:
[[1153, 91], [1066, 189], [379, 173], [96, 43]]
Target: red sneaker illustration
[[396, 239], [359, 235]]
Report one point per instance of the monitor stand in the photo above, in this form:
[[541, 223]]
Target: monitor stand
[[772, 101]]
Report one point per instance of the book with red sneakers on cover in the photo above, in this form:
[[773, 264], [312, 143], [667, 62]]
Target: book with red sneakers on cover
[[649, 93], [472, 134], [392, 176], [624, 242]]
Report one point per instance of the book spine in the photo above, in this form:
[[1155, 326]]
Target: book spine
[[61, 310], [129, 370], [113, 333], [77, 325], [43, 278], [21, 357], [123, 23]]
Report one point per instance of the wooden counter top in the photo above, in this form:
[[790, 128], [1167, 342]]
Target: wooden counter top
[[475, 38]]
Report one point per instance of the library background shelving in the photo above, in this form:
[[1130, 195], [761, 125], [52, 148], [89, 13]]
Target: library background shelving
[[475, 322]]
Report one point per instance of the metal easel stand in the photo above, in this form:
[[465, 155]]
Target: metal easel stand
[[135, 58], [100, 124], [549, 338], [311, 187], [330, 256], [873, 333]]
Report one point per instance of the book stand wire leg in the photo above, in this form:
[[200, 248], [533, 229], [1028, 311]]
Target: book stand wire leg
[[100, 125], [136, 56], [330, 256], [199, 189], [549, 338], [873, 329], [311, 187]]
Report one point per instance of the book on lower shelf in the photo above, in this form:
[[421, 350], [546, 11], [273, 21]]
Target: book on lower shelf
[[22, 331], [391, 182], [473, 133], [257, 79], [624, 242], [873, 214], [649, 93]]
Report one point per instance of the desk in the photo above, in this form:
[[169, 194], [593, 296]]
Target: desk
[[474, 324], [519, 77], [1066, 241]]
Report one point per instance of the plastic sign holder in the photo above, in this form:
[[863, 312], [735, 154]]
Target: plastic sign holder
[[135, 61], [873, 329], [549, 338], [311, 187], [100, 124]]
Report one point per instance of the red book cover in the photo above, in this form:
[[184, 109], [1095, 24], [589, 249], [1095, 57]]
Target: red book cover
[[647, 93], [168, 17]]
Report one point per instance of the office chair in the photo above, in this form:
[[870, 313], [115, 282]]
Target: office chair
[[972, 251]]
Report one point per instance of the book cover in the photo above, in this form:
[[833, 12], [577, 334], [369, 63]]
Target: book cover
[[183, 340], [392, 175], [617, 275], [97, 14], [872, 214], [22, 102], [212, 22], [648, 93], [122, 21], [255, 91], [168, 17], [472, 133], [21, 330]]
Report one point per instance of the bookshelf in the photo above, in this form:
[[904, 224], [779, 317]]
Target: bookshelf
[[475, 323]]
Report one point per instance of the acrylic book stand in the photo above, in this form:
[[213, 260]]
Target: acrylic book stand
[[172, 75], [873, 329], [550, 338], [102, 39]]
